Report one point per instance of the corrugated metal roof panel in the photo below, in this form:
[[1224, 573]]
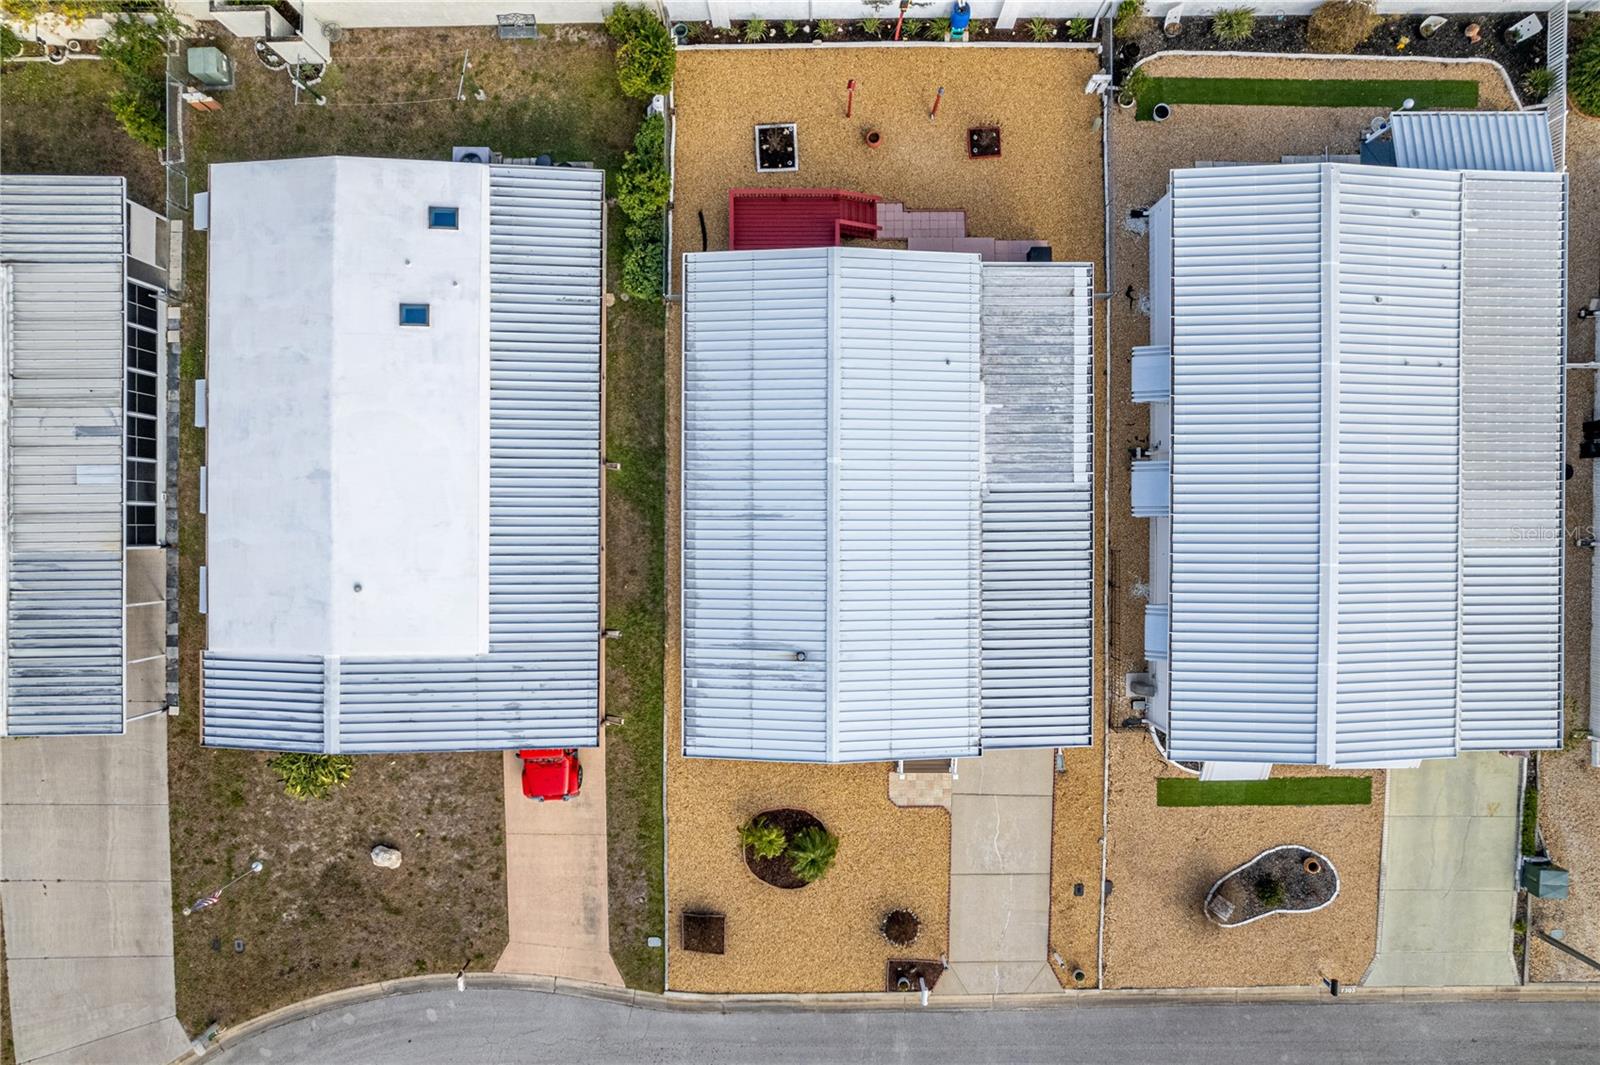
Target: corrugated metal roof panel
[[831, 442], [1038, 505], [907, 431], [755, 500], [61, 243], [1247, 349], [1395, 316], [1512, 462], [1472, 140], [539, 684], [1389, 506]]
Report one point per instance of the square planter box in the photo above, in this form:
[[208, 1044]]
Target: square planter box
[[702, 932], [777, 148]]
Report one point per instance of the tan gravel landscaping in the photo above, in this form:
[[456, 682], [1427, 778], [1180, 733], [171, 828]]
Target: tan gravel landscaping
[[1569, 807], [1075, 859], [1046, 185], [1163, 860]]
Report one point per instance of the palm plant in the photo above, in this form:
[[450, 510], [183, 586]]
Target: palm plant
[[811, 853], [1232, 24], [763, 837], [1040, 29], [755, 29]]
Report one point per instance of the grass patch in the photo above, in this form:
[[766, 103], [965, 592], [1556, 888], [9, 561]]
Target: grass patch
[[1306, 92], [1282, 791], [1530, 821], [635, 605]]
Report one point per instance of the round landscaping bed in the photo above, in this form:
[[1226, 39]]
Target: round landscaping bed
[[900, 927], [778, 871]]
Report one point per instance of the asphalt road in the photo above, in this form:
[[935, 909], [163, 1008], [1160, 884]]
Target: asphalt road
[[484, 1026]]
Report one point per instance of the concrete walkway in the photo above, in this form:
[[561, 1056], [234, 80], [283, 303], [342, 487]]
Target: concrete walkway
[[1000, 875], [1449, 866], [556, 879], [85, 880]]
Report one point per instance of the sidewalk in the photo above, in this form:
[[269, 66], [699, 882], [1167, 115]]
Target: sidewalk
[[1449, 892], [85, 880], [556, 879], [1000, 875]]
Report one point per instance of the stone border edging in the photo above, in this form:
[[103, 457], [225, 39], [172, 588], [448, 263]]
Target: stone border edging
[[1516, 98], [1337, 883], [688, 1002]]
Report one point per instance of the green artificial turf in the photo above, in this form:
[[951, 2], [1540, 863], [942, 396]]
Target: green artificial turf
[[1299, 92], [1284, 791]]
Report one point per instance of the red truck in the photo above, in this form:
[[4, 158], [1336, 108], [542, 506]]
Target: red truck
[[551, 775]]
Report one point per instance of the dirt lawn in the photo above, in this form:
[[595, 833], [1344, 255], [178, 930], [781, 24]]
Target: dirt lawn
[[1046, 185], [323, 916]]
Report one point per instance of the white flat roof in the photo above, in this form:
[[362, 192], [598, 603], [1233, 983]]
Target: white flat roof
[[347, 454]]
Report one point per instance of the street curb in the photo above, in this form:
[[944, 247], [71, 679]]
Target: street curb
[[688, 1002]]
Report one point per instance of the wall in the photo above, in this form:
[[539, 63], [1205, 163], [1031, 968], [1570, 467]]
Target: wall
[[355, 14]]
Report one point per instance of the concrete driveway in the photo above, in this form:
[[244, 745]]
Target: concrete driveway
[[1449, 867], [556, 878], [85, 881], [1000, 875]]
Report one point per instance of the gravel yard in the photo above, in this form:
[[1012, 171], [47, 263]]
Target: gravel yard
[[1045, 185], [1163, 860], [1569, 814]]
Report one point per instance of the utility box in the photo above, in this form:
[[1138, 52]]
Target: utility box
[[1544, 881], [211, 67]]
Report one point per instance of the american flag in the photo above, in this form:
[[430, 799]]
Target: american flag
[[210, 900]]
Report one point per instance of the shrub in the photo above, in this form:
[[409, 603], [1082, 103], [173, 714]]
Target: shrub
[[72, 11], [871, 26], [1129, 18], [811, 853], [137, 51], [1338, 26], [1583, 74], [911, 27], [311, 776], [1078, 29], [1530, 822], [1537, 83], [763, 837], [755, 29], [641, 270], [1270, 892], [791, 28], [937, 29], [646, 55], [10, 44], [1233, 24], [1040, 29], [1137, 85], [643, 184], [827, 27]]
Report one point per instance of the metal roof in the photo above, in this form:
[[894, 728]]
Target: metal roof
[[1038, 504], [539, 684], [62, 242], [1344, 401], [1512, 382], [1472, 140], [837, 489]]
